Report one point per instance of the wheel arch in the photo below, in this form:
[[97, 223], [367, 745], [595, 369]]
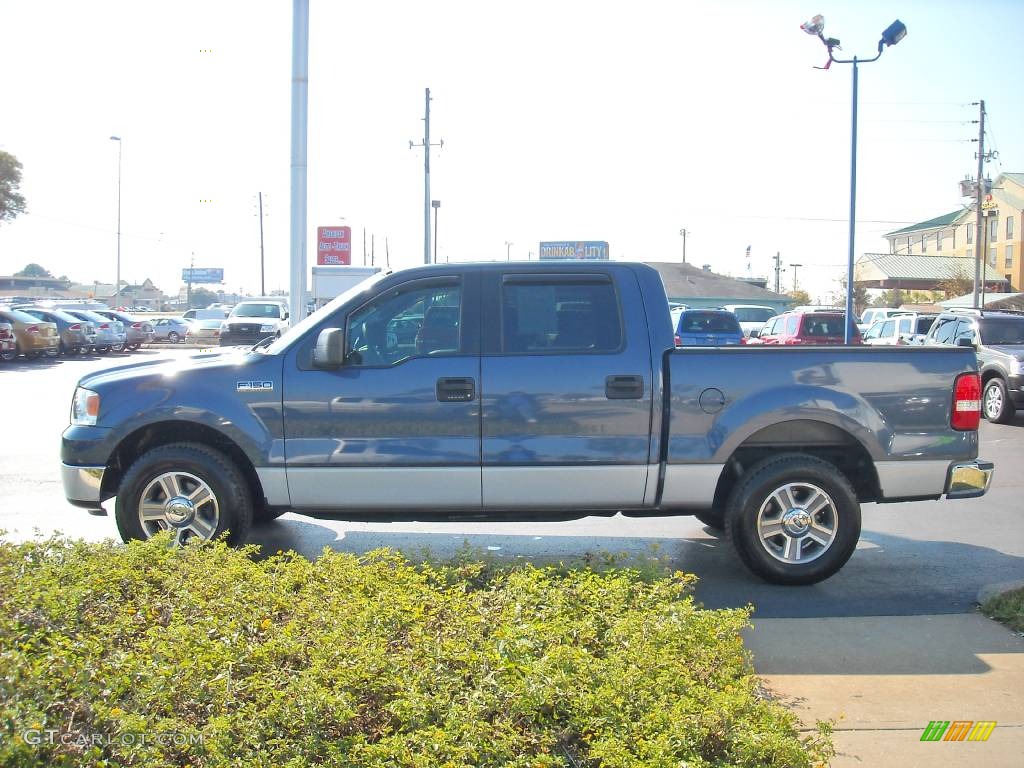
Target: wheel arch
[[155, 434], [809, 437]]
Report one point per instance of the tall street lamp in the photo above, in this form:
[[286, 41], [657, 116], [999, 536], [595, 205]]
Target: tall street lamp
[[508, 250], [117, 285], [892, 35], [794, 266]]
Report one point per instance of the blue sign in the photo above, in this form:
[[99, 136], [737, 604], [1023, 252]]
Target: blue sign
[[203, 275], [574, 249]]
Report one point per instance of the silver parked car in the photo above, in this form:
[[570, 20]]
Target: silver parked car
[[110, 334], [170, 329], [138, 332]]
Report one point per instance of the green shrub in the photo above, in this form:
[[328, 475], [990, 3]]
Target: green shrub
[[208, 657], [1007, 608]]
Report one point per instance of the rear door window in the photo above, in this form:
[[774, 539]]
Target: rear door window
[[887, 328], [945, 330], [560, 317], [819, 326], [791, 325]]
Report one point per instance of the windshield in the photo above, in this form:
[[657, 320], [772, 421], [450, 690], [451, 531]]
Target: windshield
[[274, 311], [708, 322], [300, 329], [824, 325], [20, 316], [1008, 330], [753, 314]]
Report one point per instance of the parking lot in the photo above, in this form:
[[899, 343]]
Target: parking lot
[[919, 558]]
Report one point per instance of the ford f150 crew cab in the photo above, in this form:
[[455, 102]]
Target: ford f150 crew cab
[[527, 391]]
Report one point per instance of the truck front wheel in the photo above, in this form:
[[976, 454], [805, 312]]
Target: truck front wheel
[[189, 489], [793, 519]]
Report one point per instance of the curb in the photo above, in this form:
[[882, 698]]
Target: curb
[[992, 590]]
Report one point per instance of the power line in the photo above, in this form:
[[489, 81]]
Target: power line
[[814, 218]]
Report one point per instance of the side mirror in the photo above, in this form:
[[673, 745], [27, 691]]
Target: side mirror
[[965, 341], [286, 315], [329, 351]]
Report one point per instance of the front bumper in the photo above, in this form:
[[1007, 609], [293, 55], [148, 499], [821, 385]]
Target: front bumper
[[248, 339], [82, 485], [968, 479]]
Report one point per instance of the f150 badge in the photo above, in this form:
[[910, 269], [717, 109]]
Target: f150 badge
[[255, 386]]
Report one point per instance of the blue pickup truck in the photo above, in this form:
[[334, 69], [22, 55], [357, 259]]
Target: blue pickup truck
[[527, 391]]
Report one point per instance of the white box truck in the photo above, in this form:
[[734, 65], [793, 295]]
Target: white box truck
[[333, 280]]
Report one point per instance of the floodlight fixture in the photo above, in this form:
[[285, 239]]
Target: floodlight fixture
[[894, 33], [815, 26]]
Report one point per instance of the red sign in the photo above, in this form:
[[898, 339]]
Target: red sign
[[333, 245]]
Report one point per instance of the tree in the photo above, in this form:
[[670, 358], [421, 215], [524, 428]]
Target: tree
[[957, 284], [799, 297], [11, 203], [891, 298], [33, 270], [202, 298], [861, 299]]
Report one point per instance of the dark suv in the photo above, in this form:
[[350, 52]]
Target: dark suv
[[998, 339]]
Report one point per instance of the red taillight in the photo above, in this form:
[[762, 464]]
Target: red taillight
[[743, 339], [793, 340], [966, 413], [75, 327], [32, 329], [137, 326], [679, 342], [104, 326]]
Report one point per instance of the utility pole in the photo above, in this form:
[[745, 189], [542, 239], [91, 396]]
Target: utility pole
[[435, 204], [263, 285], [684, 233], [188, 290], [778, 269], [426, 176], [794, 266], [299, 157], [978, 218]]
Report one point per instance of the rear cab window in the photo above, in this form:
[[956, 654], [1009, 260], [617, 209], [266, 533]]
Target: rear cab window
[[560, 314], [708, 322]]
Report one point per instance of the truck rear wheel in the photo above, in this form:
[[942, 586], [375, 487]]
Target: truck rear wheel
[[793, 519], [189, 489]]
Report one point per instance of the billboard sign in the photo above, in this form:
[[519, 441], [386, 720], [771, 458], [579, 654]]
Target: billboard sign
[[202, 275], [574, 249], [333, 245]]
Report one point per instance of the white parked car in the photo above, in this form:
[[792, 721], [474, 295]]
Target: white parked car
[[908, 328], [752, 317], [871, 314]]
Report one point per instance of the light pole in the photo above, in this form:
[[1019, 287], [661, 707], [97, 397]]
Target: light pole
[[435, 204], [794, 266], [892, 35], [117, 284], [508, 250], [684, 233]]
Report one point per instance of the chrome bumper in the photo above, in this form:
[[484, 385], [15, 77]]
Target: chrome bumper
[[82, 484], [969, 479]]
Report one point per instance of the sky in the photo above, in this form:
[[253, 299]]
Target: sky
[[622, 122]]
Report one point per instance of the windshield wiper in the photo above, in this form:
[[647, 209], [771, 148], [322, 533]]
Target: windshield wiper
[[263, 343]]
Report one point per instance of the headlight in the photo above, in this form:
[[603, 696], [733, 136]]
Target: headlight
[[1017, 368], [85, 407], [267, 328]]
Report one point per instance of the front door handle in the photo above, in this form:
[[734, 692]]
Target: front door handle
[[624, 387], [456, 390]]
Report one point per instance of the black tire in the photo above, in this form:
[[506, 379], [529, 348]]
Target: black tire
[[712, 518], [173, 337], [102, 350], [755, 490], [135, 347], [209, 465], [9, 356], [1001, 409]]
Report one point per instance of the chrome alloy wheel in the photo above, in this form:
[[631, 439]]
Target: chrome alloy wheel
[[797, 523], [182, 503], [993, 402]]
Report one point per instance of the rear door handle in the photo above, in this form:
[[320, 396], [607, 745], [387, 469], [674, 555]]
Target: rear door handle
[[456, 390], [624, 387]]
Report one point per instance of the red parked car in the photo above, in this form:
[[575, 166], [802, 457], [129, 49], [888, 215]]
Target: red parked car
[[807, 328]]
